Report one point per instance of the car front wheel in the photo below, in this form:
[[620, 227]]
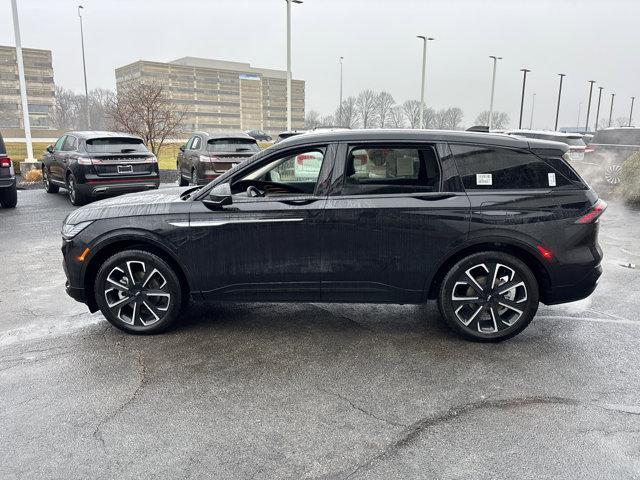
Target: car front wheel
[[46, 179], [138, 292], [76, 197], [488, 297]]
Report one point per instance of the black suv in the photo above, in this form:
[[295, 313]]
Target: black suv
[[608, 150], [8, 188], [205, 157], [489, 225], [94, 164]]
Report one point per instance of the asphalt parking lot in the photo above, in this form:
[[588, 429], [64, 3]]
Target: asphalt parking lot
[[308, 390]]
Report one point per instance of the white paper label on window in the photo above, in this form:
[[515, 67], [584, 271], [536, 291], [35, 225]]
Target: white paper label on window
[[404, 167], [484, 179], [552, 179]]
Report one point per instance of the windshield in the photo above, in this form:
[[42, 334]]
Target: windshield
[[116, 145], [232, 145]]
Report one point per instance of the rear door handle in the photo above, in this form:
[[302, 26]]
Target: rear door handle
[[433, 198], [301, 202]]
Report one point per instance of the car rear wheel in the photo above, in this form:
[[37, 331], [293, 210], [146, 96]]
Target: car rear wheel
[[76, 197], [488, 297], [194, 177], [612, 174], [46, 179], [138, 292], [9, 197], [182, 182]]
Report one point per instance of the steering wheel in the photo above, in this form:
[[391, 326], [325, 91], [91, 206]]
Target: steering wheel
[[253, 191]]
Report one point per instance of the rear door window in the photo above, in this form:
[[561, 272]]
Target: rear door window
[[385, 169], [195, 144], [70, 144], [485, 167]]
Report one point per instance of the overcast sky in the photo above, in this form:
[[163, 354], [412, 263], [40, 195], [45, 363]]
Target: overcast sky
[[587, 40]]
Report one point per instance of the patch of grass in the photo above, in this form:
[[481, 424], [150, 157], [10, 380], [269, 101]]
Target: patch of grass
[[630, 179]]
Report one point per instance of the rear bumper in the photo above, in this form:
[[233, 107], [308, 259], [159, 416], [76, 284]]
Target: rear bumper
[[7, 182], [573, 293], [96, 188]]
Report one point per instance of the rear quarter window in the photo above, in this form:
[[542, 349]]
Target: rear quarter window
[[485, 167]]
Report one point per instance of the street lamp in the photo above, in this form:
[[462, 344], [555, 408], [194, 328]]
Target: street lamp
[[524, 83], [533, 106], [289, 60], [591, 82], [425, 39], [595, 129], [611, 109], [23, 85], [340, 104], [633, 99], [562, 75], [493, 86], [84, 68]]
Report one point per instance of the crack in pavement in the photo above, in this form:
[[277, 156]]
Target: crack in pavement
[[97, 432], [412, 432], [360, 409]]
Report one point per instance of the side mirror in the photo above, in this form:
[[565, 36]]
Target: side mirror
[[219, 197], [182, 147], [50, 148]]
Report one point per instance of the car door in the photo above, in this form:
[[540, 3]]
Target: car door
[[63, 156], [263, 248], [54, 161], [183, 163], [393, 213]]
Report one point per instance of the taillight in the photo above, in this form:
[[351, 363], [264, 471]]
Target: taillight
[[152, 159], [5, 162], [594, 212], [589, 149], [301, 158], [86, 161], [205, 159]]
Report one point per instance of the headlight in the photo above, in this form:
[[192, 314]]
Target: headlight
[[69, 231]]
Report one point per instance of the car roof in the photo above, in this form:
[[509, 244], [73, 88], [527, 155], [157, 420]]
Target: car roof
[[410, 135], [219, 136], [544, 132], [91, 134]]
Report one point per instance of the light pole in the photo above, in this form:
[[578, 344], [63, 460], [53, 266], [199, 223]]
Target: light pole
[[562, 75], [611, 109], [493, 86], [533, 106], [289, 60], [524, 83], [425, 39], [340, 123], [595, 129], [586, 126], [23, 85], [633, 99], [84, 68]]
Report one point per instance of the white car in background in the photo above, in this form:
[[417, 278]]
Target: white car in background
[[576, 144]]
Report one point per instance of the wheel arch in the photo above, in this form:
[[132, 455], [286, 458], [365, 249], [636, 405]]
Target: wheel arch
[[519, 251], [130, 242]]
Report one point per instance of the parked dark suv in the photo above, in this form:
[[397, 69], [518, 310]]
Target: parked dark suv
[[608, 150], [489, 225], [94, 164], [8, 188], [205, 157]]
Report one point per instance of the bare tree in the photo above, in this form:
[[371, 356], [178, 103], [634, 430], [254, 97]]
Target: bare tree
[[397, 117], [366, 108], [499, 120], [429, 118], [144, 109], [99, 101], [312, 120], [385, 103], [411, 110], [67, 110], [346, 117], [327, 121], [448, 118]]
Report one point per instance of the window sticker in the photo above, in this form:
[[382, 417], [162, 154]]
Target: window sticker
[[404, 167], [484, 179], [552, 179]]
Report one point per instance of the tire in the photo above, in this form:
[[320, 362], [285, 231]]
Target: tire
[[151, 305], [182, 182], [496, 314], [46, 179], [77, 198], [9, 197], [194, 177]]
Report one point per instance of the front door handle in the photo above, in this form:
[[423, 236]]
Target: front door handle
[[434, 197]]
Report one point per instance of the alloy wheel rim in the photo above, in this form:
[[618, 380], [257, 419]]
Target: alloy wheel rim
[[613, 173], [137, 294], [72, 189], [194, 177], [45, 176], [489, 297]]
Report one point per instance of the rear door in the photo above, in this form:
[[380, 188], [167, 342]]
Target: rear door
[[394, 212], [63, 156]]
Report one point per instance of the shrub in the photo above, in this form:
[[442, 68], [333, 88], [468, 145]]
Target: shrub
[[33, 176], [630, 179]]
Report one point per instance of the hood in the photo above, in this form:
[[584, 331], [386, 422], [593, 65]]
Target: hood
[[153, 202]]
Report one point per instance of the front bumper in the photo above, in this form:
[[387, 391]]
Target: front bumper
[[575, 292]]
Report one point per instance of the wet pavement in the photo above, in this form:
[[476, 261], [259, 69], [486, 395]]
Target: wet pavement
[[310, 390]]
